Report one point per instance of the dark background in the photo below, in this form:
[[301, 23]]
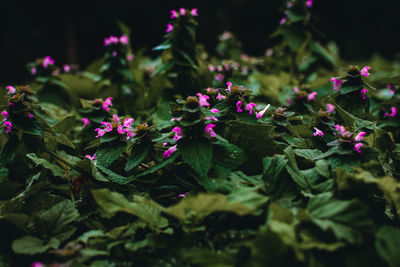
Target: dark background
[[73, 31]]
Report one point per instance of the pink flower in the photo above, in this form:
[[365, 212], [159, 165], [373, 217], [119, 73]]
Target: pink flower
[[130, 57], [219, 77], [178, 133], [318, 132], [114, 53], [182, 11], [295, 89], [249, 107], [124, 39], [357, 147], [108, 126], [330, 108], [194, 12], [165, 144], [128, 121], [219, 96], [37, 264], [11, 89], [85, 121], [340, 129], [174, 14], [309, 3], [170, 151], [238, 106], [115, 119], [360, 136], [269, 52], [169, 28], [364, 93], [100, 132], [211, 67], [107, 103], [33, 71], [11, 104], [261, 113], [183, 195], [282, 21], [8, 125], [214, 110], [364, 71], [392, 114], [219, 68], [336, 83], [47, 61], [129, 133], [209, 129], [5, 114], [66, 68], [120, 129], [312, 96], [91, 157], [203, 99], [227, 66], [229, 86], [212, 118], [175, 119]]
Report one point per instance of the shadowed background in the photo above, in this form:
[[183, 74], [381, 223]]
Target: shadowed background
[[73, 32]]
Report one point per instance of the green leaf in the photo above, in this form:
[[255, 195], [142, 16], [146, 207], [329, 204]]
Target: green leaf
[[194, 209], [138, 154], [387, 244], [54, 221], [115, 177], [298, 177], [65, 124], [197, 153], [347, 219], [160, 165], [55, 170], [109, 152], [293, 37], [309, 154], [32, 245], [228, 155], [145, 209]]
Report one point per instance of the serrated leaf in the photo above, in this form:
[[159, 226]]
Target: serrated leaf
[[32, 245], [197, 154], [55, 170], [387, 244], [107, 153], [145, 209], [65, 124], [347, 219], [138, 154]]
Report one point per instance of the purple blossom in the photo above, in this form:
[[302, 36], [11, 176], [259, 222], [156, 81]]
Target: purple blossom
[[209, 129], [183, 195], [66, 68], [120, 129], [107, 103], [170, 151], [203, 100], [330, 108], [5, 114], [211, 67], [336, 83], [282, 21], [360, 136], [219, 77], [130, 57], [357, 147], [10, 89], [100, 132], [178, 133], [37, 264], [174, 14], [169, 28], [182, 11], [340, 129], [229, 86], [364, 93], [47, 61], [91, 157], [33, 71], [212, 118], [249, 107], [124, 39], [311, 96], [318, 132], [194, 12], [128, 121], [261, 113], [8, 125], [214, 110], [364, 71], [219, 68], [175, 119], [85, 121], [238, 106], [219, 96], [392, 114], [309, 3]]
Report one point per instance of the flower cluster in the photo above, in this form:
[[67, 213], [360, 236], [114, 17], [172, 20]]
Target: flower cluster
[[393, 112], [181, 13], [350, 138], [122, 128], [115, 40]]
